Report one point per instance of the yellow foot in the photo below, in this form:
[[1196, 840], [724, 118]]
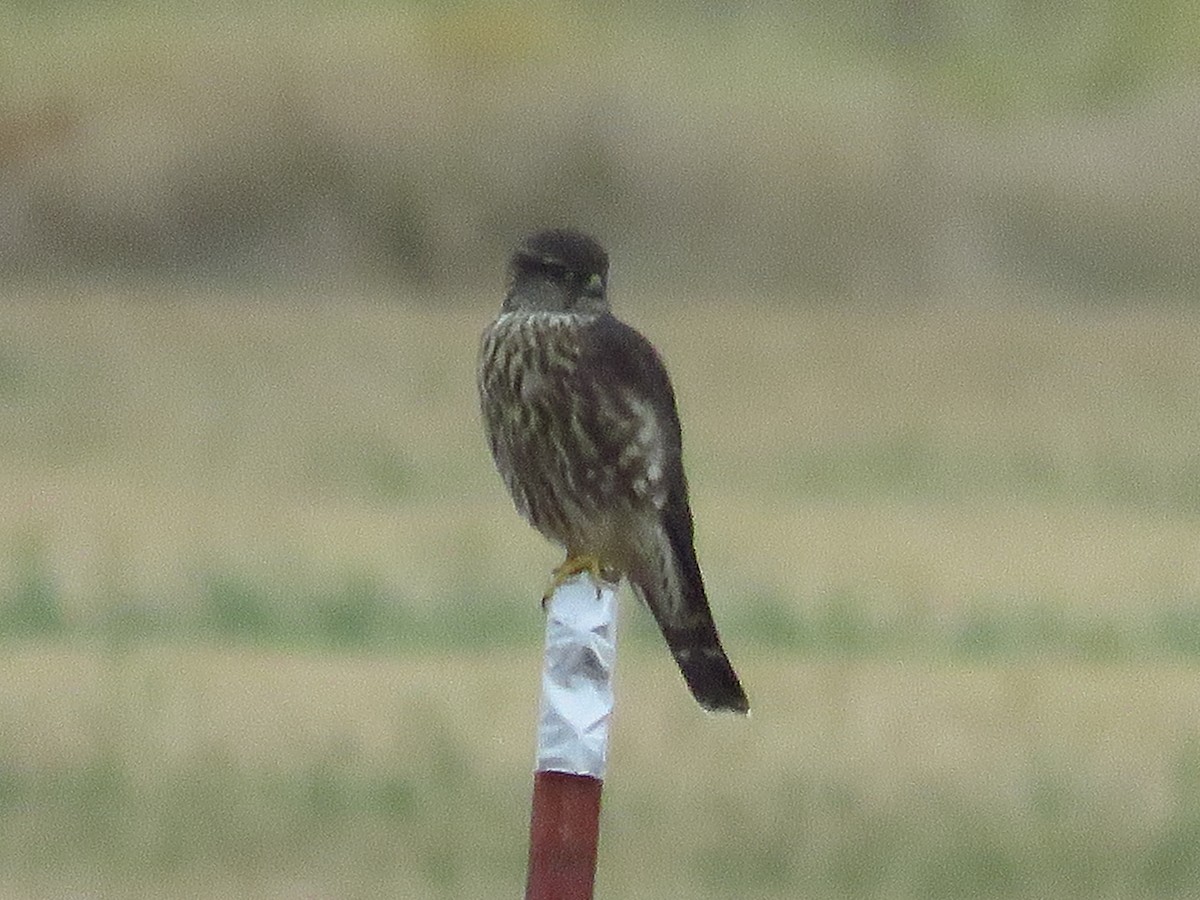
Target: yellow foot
[[572, 566]]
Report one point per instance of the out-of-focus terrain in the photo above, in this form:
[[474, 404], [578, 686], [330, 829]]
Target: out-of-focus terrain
[[926, 283]]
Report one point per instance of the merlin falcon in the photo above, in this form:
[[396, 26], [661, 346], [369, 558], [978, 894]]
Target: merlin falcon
[[581, 419]]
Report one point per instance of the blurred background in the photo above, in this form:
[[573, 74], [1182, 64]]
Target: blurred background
[[925, 274]]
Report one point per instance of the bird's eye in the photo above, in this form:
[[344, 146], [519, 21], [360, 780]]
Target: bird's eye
[[594, 285]]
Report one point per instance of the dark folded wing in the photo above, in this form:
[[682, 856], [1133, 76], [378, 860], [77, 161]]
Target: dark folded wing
[[626, 409]]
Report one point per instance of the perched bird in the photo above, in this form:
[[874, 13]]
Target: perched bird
[[581, 419]]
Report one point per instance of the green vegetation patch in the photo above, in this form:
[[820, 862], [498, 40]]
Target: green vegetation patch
[[361, 614], [828, 837]]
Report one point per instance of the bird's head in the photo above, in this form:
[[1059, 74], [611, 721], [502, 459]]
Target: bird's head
[[560, 271]]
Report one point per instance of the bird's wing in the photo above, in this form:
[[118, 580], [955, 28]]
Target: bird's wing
[[627, 408], [628, 393]]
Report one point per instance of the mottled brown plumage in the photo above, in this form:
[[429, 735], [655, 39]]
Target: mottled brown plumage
[[580, 416]]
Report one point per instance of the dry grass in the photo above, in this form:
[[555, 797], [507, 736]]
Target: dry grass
[[198, 773], [911, 472], [908, 457]]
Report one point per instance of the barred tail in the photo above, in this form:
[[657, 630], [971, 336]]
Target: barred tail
[[706, 668], [680, 606]]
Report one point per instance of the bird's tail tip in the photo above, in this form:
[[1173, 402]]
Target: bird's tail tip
[[711, 679]]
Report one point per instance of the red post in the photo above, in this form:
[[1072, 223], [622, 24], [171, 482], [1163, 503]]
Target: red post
[[572, 740], [563, 834]]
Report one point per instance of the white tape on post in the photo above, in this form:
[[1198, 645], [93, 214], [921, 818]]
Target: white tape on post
[[577, 678]]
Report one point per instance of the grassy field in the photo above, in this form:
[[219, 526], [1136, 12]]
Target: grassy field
[[214, 772], [270, 626], [180, 464]]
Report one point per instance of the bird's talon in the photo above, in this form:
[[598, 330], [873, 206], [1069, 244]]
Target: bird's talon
[[569, 568]]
